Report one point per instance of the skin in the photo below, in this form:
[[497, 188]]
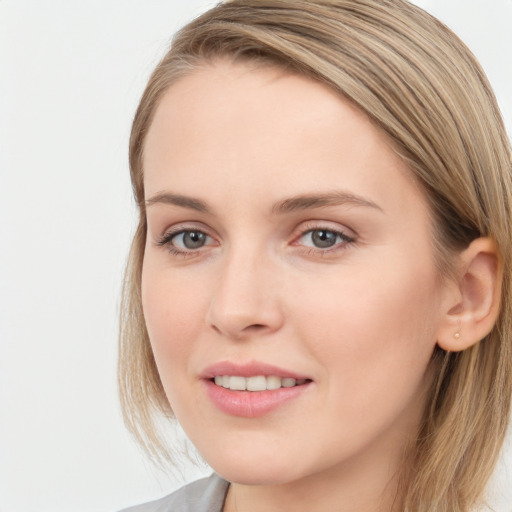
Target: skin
[[360, 318]]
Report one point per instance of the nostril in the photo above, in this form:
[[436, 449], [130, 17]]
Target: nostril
[[255, 327]]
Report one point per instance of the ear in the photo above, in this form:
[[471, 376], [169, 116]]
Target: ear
[[472, 301]]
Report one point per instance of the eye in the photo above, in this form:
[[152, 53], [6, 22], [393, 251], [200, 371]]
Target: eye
[[185, 241], [189, 239], [322, 238]]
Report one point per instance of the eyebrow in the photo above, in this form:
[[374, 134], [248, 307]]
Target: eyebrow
[[292, 204], [178, 200], [310, 201]]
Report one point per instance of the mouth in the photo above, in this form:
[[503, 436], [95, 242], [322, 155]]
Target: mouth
[[253, 389], [256, 383]]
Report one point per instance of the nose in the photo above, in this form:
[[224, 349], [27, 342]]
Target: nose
[[245, 303]]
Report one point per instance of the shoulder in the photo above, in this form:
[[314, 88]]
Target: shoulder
[[207, 494]]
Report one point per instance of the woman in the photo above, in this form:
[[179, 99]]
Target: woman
[[319, 285]]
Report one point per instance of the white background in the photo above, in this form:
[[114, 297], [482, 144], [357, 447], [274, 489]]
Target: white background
[[71, 74]]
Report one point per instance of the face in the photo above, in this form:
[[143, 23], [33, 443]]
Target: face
[[289, 252]]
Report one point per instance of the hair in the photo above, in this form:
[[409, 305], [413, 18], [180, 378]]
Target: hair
[[422, 86]]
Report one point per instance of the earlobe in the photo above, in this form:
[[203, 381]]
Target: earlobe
[[474, 307]]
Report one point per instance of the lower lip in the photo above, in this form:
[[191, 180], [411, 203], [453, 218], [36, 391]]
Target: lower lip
[[251, 404]]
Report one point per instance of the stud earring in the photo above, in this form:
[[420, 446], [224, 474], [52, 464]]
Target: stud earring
[[456, 335]]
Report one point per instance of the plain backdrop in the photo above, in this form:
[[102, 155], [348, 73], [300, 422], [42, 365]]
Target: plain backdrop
[[71, 73]]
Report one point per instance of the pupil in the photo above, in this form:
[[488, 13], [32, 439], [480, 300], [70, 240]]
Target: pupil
[[322, 238], [193, 239]]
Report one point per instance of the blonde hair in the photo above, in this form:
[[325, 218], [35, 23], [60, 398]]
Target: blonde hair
[[421, 85]]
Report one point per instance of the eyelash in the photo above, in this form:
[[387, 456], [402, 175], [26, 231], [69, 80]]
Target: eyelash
[[346, 240], [167, 238]]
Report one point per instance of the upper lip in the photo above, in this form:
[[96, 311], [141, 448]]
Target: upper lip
[[250, 369]]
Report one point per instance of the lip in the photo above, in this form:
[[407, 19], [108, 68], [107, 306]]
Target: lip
[[251, 369], [251, 404]]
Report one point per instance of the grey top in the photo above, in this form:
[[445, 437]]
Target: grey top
[[205, 495]]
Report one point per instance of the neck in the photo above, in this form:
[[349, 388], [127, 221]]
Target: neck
[[369, 483]]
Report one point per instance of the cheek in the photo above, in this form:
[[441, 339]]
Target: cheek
[[174, 311], [374, 331]]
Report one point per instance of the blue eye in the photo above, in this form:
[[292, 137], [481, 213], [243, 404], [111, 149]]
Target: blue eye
[[185, 241], [324, 238], [189, 239]]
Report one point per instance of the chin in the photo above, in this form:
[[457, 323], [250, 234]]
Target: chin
[[248, 474], [262, 470]]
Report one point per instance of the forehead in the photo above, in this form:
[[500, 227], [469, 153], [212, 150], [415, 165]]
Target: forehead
[[230, 128], [225, 92]]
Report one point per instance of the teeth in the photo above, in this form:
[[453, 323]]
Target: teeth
[[273, 382], [238, 383], [288, 383], [258, 383]]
